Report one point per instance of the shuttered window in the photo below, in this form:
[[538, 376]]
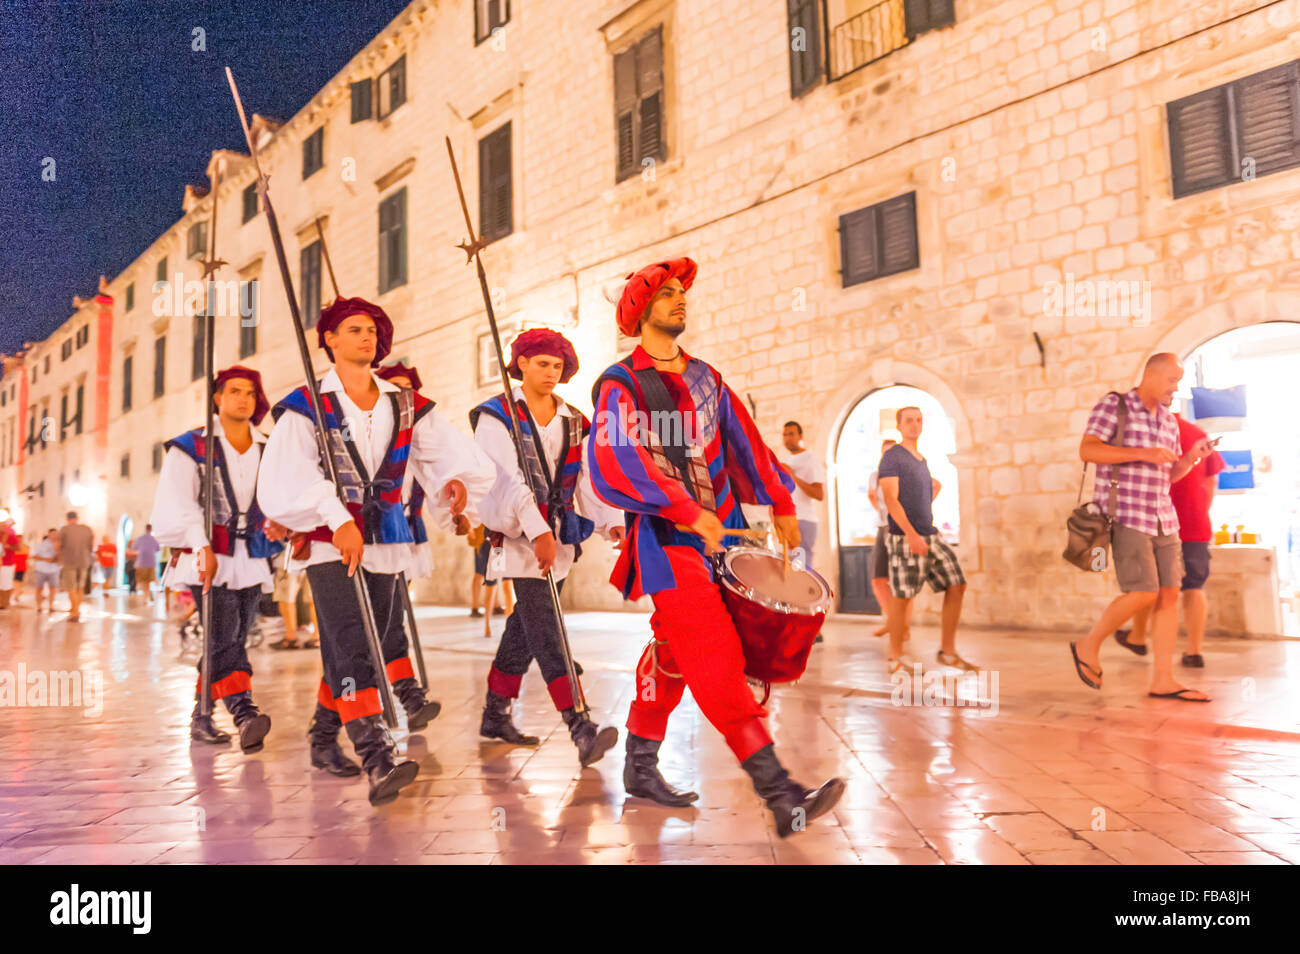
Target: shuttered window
[[250, 202], [127, 367], [309, 280], [362, 100], [392, 241], [313, 152], [806, 65], [159, 365], [157, 457], [879, 240], [1235, 132], [197, 241], [494, 185], [488, 15], [247, 318], [197, 360], [392, 87], [130, 296], [639, 104], [921, 16]]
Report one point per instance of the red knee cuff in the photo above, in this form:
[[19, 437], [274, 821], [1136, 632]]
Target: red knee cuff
[[400, 669], [647, 723], [504, 684], [229, 686], [325, 697], [561, 691], [363, 703]]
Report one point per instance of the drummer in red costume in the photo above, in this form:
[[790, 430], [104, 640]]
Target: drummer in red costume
[[682, 476]]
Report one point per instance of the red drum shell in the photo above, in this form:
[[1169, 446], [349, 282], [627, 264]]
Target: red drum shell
[[776, 645]]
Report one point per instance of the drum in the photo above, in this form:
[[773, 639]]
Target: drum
[[778, 612]]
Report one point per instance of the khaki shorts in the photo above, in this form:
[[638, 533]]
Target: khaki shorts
[[289, 585], [74, 577], [145, 575], [1146, 563]]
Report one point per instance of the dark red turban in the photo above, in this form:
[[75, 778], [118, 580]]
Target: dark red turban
[[253, 378], [399, 370], [342, 308], [536, 341], [641, 287]]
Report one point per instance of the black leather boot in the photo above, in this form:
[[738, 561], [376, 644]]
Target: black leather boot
[[497, 723], [592, 741], [325, 750], [375, 747], [203, 729], [641, 774], [792, 805], [419, 711], [252, 723]]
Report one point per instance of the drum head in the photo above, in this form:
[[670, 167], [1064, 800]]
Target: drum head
[[760, 575]]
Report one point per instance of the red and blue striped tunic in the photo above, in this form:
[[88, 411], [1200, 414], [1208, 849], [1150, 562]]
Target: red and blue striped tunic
[[624, 473]]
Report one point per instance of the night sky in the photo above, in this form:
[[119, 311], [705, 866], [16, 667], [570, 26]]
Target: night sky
[[114, 94]]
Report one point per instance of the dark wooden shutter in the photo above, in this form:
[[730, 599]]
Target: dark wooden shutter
[[248, 318], [81, 404], [127, 362], [625, 105], [309, 278], [921, 16], [1201, 141], [806, 64], [1268, 119], [392, 241], [495, 193], [898, 244], [650, 95], [196, 351], [63, 418], [362, 100], [859, 261], [397, 83], [159, 366]]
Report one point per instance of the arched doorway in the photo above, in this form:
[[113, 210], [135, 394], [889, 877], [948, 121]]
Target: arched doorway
[[857, 455], [124, 528], [1260, 490]]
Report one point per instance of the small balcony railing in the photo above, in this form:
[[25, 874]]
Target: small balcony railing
[[875, 32]]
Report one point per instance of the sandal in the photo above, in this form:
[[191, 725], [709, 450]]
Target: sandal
[[1080, 666], [955, 662], [313, 643], [1121, 635], [904, 663], [1178, 695], [284, 643]]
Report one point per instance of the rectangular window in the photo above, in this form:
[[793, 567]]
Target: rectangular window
[[197, 356], [1235, 132], [196, 243], [488, 15], [362, 99], [157, 457], [65, 352], [161, 274], [250, 202], [806, 67], [126, 382], [392, 241], [130, 296], [247, 318], [921, 16], [309, 279], [313, 152], [63, 417], [35, 373], [639, 104], [125, 469], [81, 395], [392, 87], [47, 364], [159, 365], [494, 191], [879, 240], [83, 336]]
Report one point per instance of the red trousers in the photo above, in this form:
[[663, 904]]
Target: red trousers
[[696, 646]]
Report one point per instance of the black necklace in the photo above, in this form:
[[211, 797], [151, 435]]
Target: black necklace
[[657, 358]]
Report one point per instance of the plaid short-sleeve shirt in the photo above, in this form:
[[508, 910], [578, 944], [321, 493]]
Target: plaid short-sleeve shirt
[[1142, 497]]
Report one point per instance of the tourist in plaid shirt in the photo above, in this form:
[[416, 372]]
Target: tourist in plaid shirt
[[1144, 544]]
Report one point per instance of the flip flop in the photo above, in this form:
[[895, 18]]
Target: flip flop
[[284, 644], [1177, 695], [1138, 650], [1080, 666]]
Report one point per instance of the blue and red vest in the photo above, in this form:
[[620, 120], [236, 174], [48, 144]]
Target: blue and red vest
[[375, 502], [415, 514], [225, 510], [557, 503]]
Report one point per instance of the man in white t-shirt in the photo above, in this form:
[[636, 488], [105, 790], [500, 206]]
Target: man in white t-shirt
[[810, 478]]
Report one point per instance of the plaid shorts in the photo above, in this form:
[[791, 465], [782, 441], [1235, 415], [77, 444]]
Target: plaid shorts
[[909, 572]]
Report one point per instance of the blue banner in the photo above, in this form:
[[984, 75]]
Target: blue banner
[[1238, 472]]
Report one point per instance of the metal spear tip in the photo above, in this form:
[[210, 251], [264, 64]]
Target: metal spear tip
[[472, 248], [210, 266]]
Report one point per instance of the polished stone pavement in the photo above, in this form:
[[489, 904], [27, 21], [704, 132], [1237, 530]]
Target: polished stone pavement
[[1059, 774]]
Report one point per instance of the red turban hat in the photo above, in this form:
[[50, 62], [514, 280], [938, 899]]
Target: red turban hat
[[399, 370], [536, 341], [343, 308], [641, 287], [253, 378]]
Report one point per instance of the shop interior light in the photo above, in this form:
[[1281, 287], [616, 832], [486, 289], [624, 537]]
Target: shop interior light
[[78, 495]]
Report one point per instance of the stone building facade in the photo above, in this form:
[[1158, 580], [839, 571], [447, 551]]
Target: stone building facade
[[1034, 135]]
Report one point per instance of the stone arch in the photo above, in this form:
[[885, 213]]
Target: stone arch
[[853, 387], [1252, 308]]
